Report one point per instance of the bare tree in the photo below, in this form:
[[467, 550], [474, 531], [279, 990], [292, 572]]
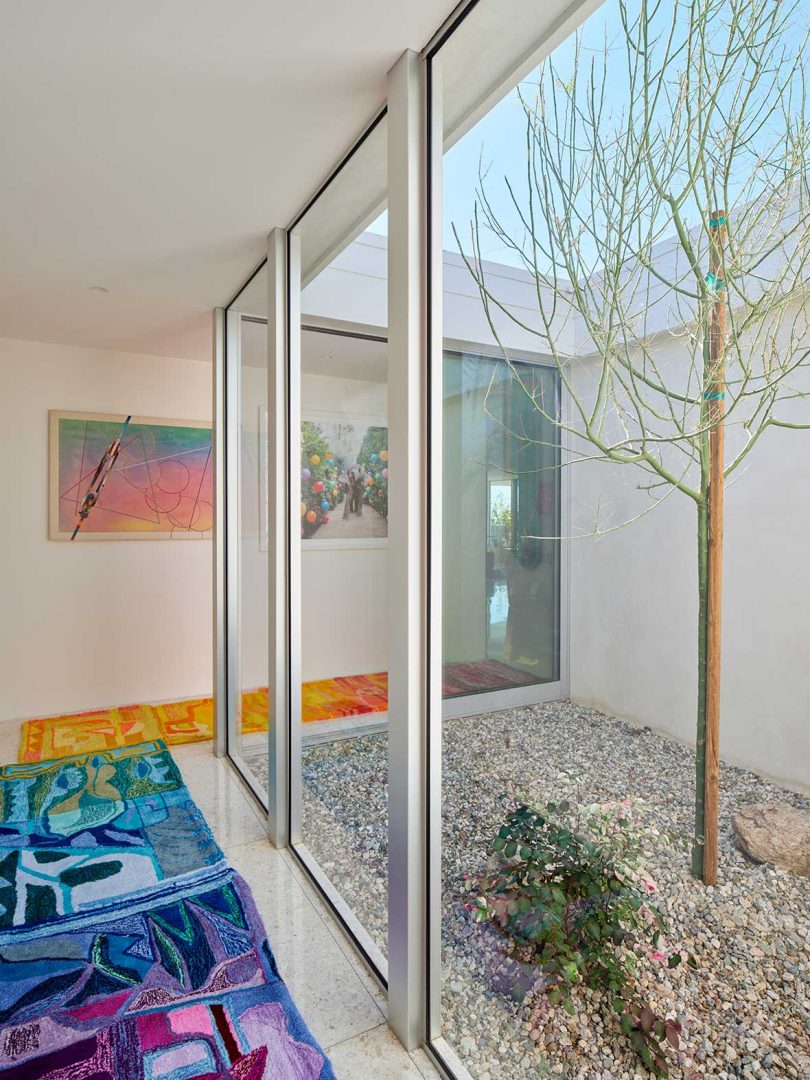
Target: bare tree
[[667, 195]]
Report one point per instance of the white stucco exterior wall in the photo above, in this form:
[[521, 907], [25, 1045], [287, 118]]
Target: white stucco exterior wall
[[633, 593], [633, 602]]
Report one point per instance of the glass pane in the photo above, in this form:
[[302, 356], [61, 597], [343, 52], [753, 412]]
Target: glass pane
[[247, 393], [253, 550], [501, 534], [624, 204], [343, 474], [500, 526]]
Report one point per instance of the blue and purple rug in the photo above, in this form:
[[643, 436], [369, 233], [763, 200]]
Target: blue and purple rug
[[129, 950]]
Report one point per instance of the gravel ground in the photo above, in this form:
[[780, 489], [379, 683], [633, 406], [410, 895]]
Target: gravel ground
[[745, 1011]]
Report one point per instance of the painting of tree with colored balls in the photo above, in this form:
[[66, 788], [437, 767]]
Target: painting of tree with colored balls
[[159, 486], [344, 480]]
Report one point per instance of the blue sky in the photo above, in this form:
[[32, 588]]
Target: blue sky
[[498, 141], [500, 136]]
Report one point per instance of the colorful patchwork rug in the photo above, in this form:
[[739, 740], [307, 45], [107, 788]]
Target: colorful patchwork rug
[[193, 720], [129, 950]]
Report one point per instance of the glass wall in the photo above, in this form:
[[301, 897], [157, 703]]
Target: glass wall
[[553, 312], [340, 459]]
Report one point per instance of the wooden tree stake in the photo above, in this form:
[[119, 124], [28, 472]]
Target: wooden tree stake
[[715, 384]]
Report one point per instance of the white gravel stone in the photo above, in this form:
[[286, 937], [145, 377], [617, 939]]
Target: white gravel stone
[[744, 1011]]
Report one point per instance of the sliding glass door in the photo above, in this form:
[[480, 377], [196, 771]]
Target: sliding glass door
[[500, 529], [501, 658], [474, 301]]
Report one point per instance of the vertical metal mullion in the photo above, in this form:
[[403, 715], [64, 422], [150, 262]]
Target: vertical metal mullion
[[278, 471], [233, 323], [432, 105], [294, 531], [564, 551], [220, 570], [406, 601]]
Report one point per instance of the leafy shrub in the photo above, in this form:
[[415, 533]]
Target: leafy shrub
[[575, 901]]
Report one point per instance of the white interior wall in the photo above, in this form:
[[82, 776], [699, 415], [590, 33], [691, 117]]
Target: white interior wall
[[106, 622], [344, 602]]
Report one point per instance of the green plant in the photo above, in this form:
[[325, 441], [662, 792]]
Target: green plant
[[500, 516], [567, 885]]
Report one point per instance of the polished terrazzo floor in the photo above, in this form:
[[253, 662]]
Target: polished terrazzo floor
[[338, 998]]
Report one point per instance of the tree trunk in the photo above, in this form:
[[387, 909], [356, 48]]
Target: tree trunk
[[700, 740], [714, 603]]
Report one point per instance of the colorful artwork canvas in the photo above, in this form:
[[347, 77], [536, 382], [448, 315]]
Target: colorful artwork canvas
[[344, 481], [161, 486]]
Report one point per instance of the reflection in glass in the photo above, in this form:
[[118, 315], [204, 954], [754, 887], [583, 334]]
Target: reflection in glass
[[501, 612], [344, 574], [248, 742], [340, 461], [499, 526]]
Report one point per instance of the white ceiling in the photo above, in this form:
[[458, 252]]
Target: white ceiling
[[149, 147]]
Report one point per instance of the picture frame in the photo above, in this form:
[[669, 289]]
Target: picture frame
[[354, 436], [160, 487]]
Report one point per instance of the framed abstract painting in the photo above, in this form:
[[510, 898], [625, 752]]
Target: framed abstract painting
[[160, 486]]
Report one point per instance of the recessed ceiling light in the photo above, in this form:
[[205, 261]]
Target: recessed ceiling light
[[98, 288]]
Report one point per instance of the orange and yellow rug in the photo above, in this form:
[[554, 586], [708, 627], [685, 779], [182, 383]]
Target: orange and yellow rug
[[193, 720]]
